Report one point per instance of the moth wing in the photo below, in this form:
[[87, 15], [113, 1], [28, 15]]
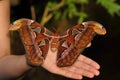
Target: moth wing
[[67, 52]]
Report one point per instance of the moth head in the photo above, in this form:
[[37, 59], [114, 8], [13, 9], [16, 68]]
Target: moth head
[[20, 23], [97, 27]]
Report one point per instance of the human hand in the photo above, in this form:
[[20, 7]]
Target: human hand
[[83, 66]]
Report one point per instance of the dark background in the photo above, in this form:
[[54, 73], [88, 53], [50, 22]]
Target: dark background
[[105, 49]]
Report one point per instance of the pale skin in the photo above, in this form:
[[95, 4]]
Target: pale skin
[[14, 66]]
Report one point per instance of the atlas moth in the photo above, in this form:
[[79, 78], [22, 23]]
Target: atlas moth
[[69, 45]]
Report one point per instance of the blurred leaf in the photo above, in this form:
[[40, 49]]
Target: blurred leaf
[[69, 1], [57, 15], [82, 16], [64, 14], [81, 1], [51, 4], [112, 7], [72, 9]]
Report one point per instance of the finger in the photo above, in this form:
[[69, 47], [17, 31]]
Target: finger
[[89, 61], [80, 71], [83, 65], [63, 72], [69, 73]]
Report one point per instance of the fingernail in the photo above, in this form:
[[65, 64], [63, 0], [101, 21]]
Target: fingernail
[[97, 73], [91, 76], [98, 66]]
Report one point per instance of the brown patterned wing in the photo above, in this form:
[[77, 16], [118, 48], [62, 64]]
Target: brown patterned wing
[[30, 31], [81, 35]]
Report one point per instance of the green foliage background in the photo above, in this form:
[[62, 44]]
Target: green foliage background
[[76, 8]]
